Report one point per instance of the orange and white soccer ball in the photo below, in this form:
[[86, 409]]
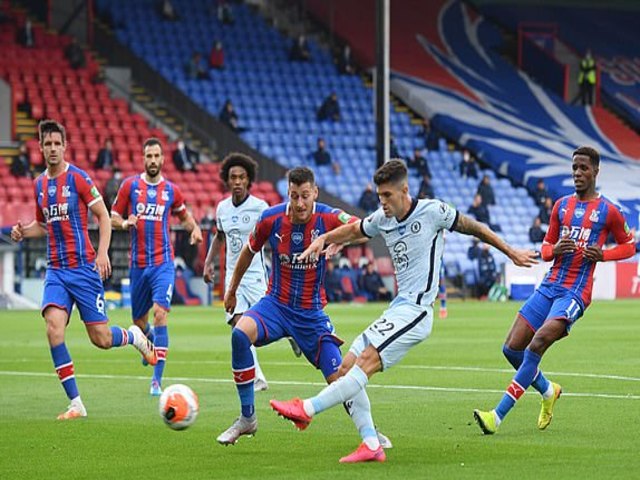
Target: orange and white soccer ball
[[179, 406]]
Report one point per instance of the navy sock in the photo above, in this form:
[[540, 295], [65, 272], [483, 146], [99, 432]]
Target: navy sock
[[521, 381], [120, 337], [515, 357], [162, 347], [64, 368], [243, 370]]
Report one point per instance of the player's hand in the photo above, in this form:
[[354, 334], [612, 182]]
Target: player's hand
[[103, 266], [313, 251], [17, 232], [229, 301], [593, 253], [196, 236], [564, 245], [332, 250], [524, 258], [209, 272], [132, 221]]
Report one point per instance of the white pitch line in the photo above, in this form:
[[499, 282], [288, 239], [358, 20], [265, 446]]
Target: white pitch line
[[314, 384], [304, 364]]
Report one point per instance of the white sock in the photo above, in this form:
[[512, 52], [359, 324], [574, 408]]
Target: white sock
[[548, 393], [340, 391], [498, 420], [359, 409], [256, 365]]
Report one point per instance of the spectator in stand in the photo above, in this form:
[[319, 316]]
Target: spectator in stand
[[20, 165], [541, 193], [332, 284], [545, 211], [216, 57], [431, 137], [536, 233], [75, 55], [426, 189], [474, 250], [195, 69], [393, 149], [225, 14], [368, 200], [485, 190], [372, 286], [105, 159], [419, 163], [345, 62], [112, 187], [322, 157], [487, 271], [229, 117], [208, 222], [468, 168], [587, 79], [167, 11], [479, 210], [330, 109], [299, 51], [26, 37], [184, 158]]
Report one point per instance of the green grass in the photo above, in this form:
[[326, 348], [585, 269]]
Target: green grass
[[424, 404]]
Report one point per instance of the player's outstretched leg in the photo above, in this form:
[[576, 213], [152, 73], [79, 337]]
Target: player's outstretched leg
[[243, 376], [162, 348], [149, 331], [64, 368], [139, 340]]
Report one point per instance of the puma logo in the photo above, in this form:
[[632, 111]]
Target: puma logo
[[278, 236]]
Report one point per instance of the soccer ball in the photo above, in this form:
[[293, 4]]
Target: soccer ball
[[178, 406]]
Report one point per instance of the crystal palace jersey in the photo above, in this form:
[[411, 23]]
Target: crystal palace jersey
[[415, 243], [586, 223], [237, 222], [152, 203], [296, 284], [62, 204]]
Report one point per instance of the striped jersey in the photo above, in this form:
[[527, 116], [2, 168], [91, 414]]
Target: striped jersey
[[293, 283], [416, 244], [152, 203], [586, 223], [237, 222], [62, 204]]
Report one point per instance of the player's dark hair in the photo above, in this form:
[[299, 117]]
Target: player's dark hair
[[393, 171], [301, 175], [51, 126], [592, 153], [149, 142], [237, 159]]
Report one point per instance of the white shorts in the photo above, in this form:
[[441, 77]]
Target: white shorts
[[246, 297], [400, 327]]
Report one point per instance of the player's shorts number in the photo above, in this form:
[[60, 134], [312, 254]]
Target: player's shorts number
[[573, 310], [100, 304], [382, 326]]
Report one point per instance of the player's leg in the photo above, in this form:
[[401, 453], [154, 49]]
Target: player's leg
[[161, 280]]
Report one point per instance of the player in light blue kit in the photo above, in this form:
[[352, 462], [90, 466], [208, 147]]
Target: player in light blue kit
[[408, 227]]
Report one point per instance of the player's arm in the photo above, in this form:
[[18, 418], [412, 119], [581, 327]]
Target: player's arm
[[32, 230], [190, 225], [212, 254], [552, 245], [348, 233], [469, 226], [103, 265], [625, 247], [120, 206]]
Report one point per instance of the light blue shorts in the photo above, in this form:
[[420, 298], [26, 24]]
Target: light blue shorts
[[247, 296], [402, 326]]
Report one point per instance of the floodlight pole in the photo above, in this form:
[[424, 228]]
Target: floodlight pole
[[381, 81]]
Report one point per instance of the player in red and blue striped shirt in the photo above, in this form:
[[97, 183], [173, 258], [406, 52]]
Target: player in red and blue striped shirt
[[143, 207], [293, 304], [64, 193], [579, 226]]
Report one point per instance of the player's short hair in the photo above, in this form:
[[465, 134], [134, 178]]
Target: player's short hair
[[237, 159], [49, 126], [393, 171], [149, 142], [592, 153], [301, 175]]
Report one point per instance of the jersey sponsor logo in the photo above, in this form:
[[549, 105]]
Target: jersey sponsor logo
[[344, 217], [399, 257], [94, 192], [235, 240], [151, 211], [56, 212], [595, 216], [415, 227], [579, 235], [292, 262], [65, 191], [297, 237]]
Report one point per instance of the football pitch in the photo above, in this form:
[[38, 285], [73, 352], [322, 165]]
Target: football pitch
[[424, 404]]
